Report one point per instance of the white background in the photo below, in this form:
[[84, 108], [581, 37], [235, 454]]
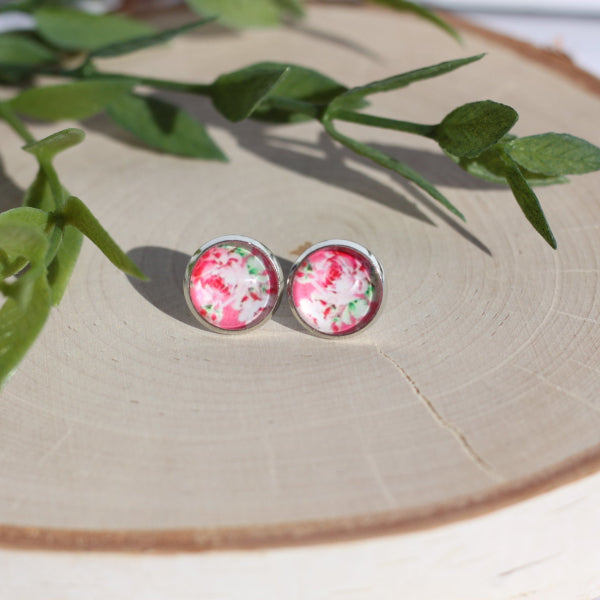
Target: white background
[[572, 26]]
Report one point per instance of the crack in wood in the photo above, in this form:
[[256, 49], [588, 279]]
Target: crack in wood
[[458, 435]]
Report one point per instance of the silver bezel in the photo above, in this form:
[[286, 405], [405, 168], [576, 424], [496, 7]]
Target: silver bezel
[[252, 244], [377, 271]]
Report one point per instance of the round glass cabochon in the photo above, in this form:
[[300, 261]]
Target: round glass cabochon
[[336, 288], [233, 284]]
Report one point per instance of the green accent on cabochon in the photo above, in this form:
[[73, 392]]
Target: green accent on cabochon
[[256, 266]]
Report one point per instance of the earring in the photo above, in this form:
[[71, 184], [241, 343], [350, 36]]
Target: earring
[[233, 283], [335, 288]]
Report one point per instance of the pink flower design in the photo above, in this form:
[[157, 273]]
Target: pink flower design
[[230, 286], [333, 290]]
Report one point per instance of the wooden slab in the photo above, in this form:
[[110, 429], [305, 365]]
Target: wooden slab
[[130, 427], [544, 548]]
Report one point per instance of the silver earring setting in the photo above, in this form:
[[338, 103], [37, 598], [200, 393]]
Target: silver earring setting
[[336, 288], [233, 283]]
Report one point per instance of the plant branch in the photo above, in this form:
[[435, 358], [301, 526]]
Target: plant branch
[[55, 233], [7, 113], [389, 162], [54, 182], [201, 89], [87, 71], [373, 121]]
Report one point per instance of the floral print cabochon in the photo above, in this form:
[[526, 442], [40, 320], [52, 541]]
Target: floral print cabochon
[[336, 288], [233, 284]]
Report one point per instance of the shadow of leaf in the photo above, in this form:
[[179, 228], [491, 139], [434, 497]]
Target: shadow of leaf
[[11, 195], [164, 115], [325, 161], [332, 164], [323, 35]]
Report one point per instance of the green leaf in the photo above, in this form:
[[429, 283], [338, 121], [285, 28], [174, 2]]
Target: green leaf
[[22, 240], [70, 29], [19, 326], [555, 154], [422, 12], [77, 100], [302, 84], [240, 13], [17, 5], [18, 50], [63, 263], [13, 74], [402, 80], [236, 95], [78, 215], [472, 128], [146, 41], [20, 291], [26, 5], [490, 166], [5, 264], [164, 126], [389, 162], [26, 216], [19, 238], [294, 7], [39, 195], [49, 147], [61, 251], [527, 200], [47, 193]]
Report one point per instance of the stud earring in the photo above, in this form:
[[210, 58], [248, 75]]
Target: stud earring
[[233, 283], [336, 288]]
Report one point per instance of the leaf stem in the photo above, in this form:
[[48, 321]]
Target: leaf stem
[[7, 113], [85, 72], [54, 182], [54, 242], [202, 89], [389, 162], [374, 121]]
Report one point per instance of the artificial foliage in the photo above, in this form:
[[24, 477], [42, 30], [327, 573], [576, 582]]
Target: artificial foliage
[[40, 241]]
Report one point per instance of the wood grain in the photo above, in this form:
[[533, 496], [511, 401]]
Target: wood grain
[[130, 427]]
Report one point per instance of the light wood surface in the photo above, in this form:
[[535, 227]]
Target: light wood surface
[[130, 427], [540, 549]]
